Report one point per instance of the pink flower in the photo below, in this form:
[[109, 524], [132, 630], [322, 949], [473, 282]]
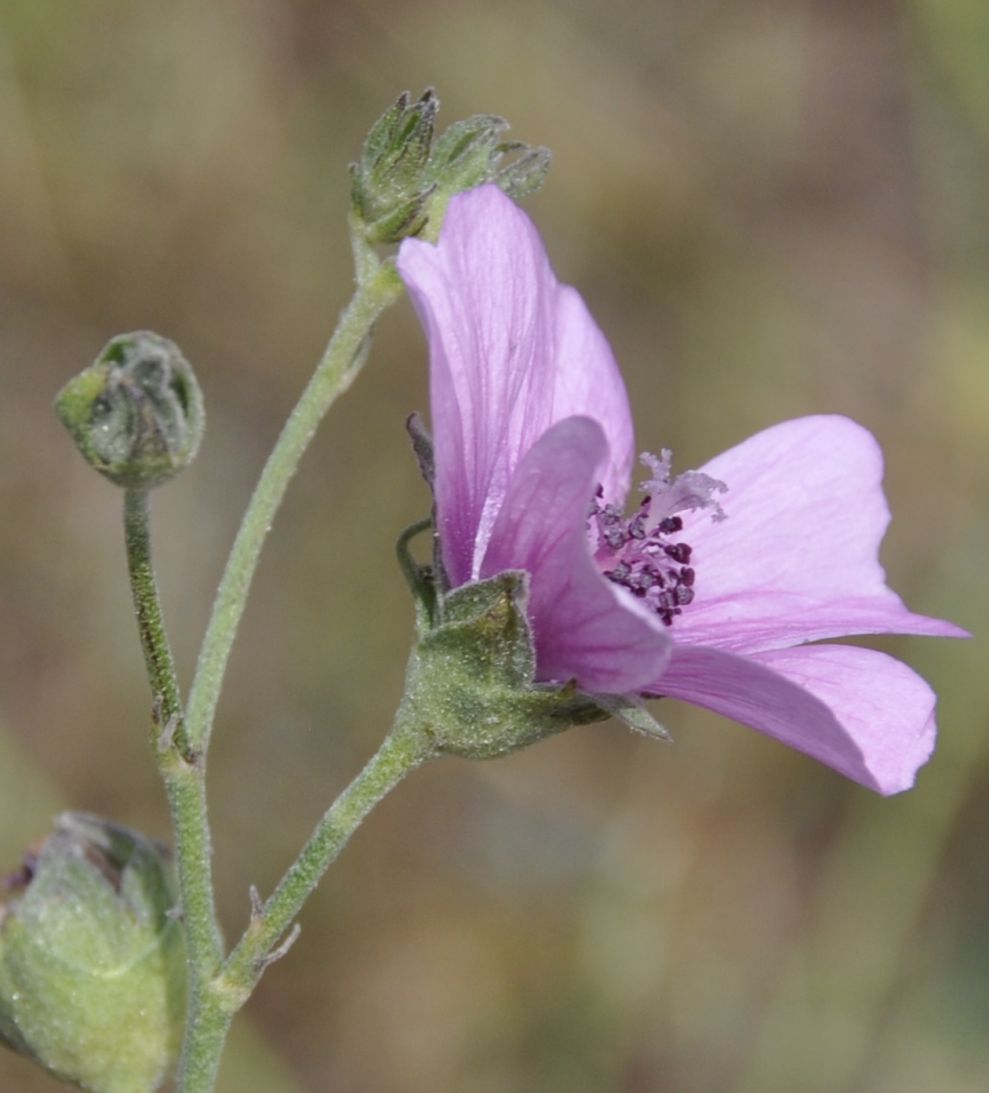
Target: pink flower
[[710, 590]]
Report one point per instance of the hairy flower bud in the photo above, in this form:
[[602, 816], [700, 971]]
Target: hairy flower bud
[[136, 413], [92, 963], [405, 179]]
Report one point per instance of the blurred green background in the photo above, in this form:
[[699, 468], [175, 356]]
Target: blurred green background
[[773, 209]]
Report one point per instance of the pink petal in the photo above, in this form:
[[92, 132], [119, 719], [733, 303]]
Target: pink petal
[[589, 383], [861, 712], [586, 628], [511, 352], [797, 557], [768, 619]]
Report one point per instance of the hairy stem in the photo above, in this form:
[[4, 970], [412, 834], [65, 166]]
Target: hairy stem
[[270, 933], [214, 1004], [181, 740], [378, 286], [180, 767], [402, 751]]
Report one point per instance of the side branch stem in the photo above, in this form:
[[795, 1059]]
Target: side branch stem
[[378, 287], [269, 933], [405, 748]]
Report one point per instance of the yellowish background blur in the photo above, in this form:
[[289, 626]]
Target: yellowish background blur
[[773, 209]]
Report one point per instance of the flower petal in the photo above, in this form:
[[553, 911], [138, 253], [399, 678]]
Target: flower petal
[[511, 352], [586, 628], [797, 557], [589, 383], [748, 622], [861, 712]]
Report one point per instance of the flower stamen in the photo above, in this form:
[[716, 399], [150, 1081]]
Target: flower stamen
[[636, 552]]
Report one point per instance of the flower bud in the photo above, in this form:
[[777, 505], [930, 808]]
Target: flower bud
[[92, 963], [404, 179], [136, 413]]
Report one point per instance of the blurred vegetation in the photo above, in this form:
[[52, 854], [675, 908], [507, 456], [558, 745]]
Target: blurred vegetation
[[773, 207]]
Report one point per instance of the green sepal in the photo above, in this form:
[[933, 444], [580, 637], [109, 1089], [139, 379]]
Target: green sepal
[[406, 217], [136, 413], [488, 620], [525, 175], [92, 959], [397, 147], [631, 711], [472, 139], [470, 685], [404, 179], [386, 182], [465, 155]]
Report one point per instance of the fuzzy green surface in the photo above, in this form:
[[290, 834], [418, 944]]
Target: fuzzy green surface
[[92, 974]]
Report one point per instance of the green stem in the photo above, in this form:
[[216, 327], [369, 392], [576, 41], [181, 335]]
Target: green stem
[[144, 589], [378, 287], [405, 747], [185, 787], [182, 741], [206, 1036], [181, 769], [401, 752]]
